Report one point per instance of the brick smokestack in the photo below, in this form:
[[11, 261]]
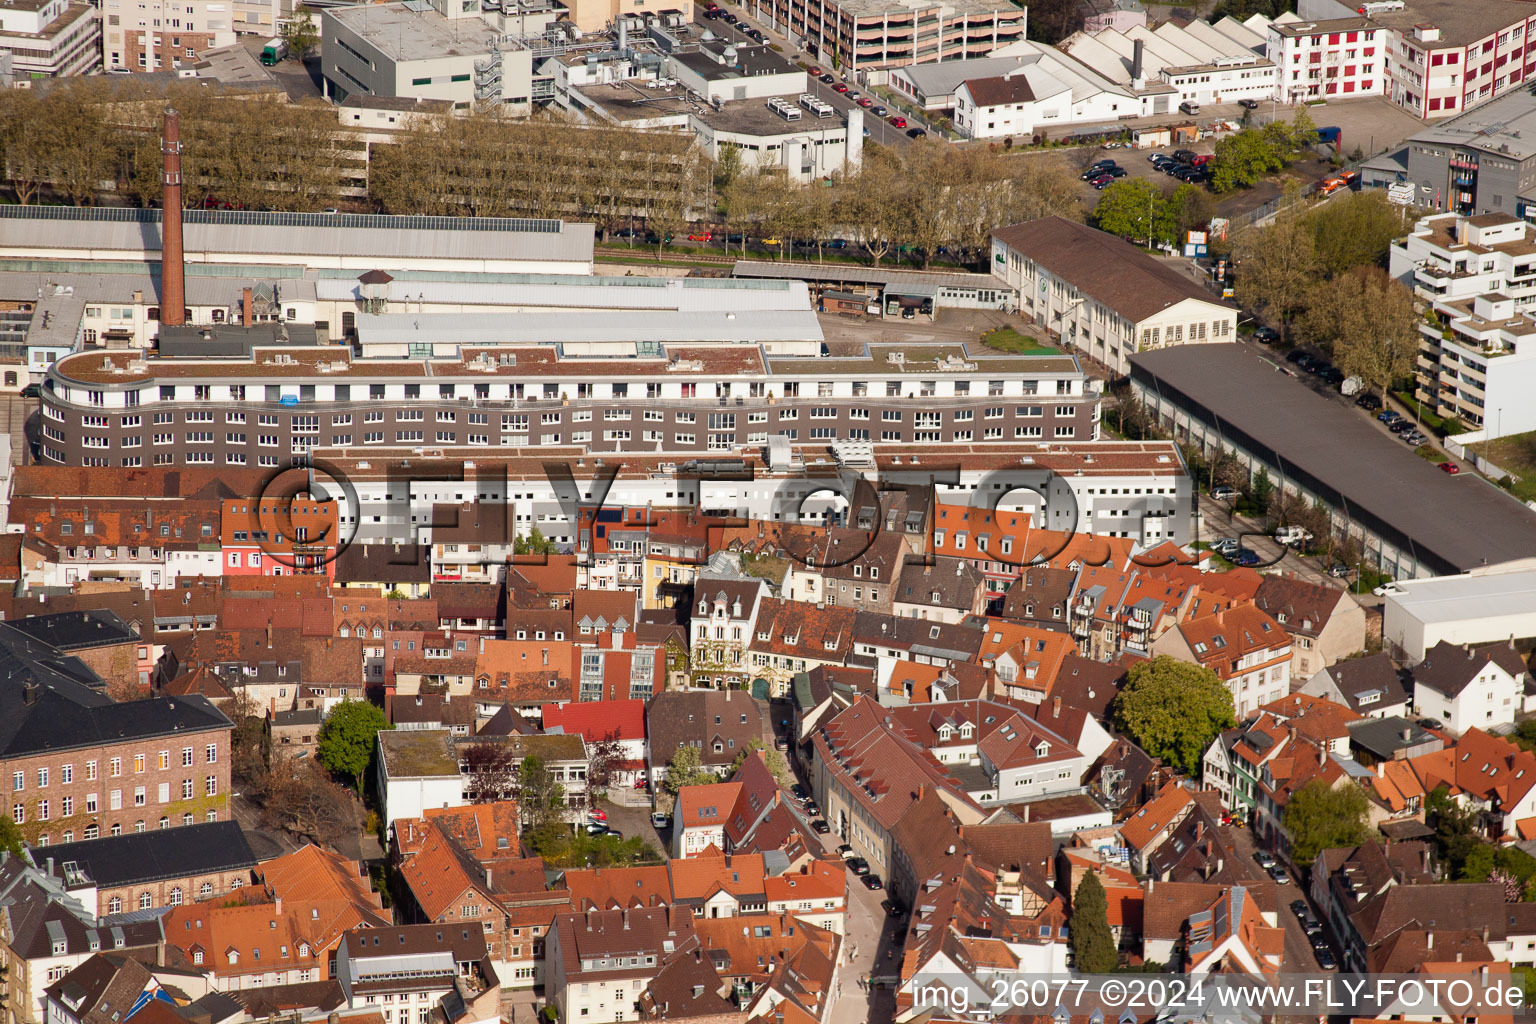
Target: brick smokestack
[[173, 289], [247, 297]]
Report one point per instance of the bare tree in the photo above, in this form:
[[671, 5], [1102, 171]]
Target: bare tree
[[603, 765], [491, 770], [303, 799]]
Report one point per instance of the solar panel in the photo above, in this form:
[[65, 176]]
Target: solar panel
[[275, 218]]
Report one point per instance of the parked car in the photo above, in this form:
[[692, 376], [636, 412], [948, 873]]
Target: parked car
[[798, 792], [1429, 723], [1246, 558], [828, 78], [820, 827], [897, 121], [859, 866], [728, 18], [1400, 425], [879, 110], [1221, 492], [1226, 547], [1279, 874], [1450, 467], [1184, 156], [813, 71], [659, 820], [1325, 959], [596, 828], [845, 851], [1268, 336], [1386, 589], [840, 87], [872, 882], [811, 810], [1102, 182], [1115, 172], [908, 313], [866, 102], [852, 94], [1153, 158], [1414, 438], [31, 391], [1299, 908], [1248, 104], [705, 236], [1369, 401], [918, 133], [1265, 858], [613, 833], [597, 814], [1390, 416], [1338, 570]]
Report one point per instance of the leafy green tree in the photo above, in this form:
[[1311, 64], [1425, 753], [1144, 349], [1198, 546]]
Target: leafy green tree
[[1091, 941], [1190, 208], [1355, 231], [300, 33], [11, 839], [1131, 208], [1262, 488], [1240, 160], [777, 766], [684, 769], [1173, 710], [1457, 830], [540, 797], [1303, 130], [347, 739], [1321, 817], [534, 543]]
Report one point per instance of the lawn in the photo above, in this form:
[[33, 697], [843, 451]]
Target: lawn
[[1516, 455], [767, 567], [1437, 425], [1006, 339]]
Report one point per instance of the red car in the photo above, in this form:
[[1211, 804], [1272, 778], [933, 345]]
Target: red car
[[898, 122], [1450, 467], [840, 87], [865, 101], [705, 237], [813, 71]]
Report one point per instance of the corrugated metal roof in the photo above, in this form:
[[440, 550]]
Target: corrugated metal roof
[[201, 291], [223, 232], [745, 327], [578, 292]]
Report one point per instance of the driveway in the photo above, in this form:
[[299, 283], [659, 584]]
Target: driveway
[[1217, 520]]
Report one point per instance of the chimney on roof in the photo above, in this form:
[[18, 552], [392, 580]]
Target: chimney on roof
[[247, 315], [173, 290], [1138, 73], [1056, 708]]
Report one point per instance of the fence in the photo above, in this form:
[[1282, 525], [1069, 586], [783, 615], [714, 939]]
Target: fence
[[1457, 445]]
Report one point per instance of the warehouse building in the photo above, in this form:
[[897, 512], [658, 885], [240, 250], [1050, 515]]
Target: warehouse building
[[1409, 519]]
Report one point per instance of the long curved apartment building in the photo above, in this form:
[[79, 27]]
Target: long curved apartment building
[[259, 396]]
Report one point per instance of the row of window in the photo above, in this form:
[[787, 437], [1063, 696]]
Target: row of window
[[93, 831], [114, 767], [114, 799]]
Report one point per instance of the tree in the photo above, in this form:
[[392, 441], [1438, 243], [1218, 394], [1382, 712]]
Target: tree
[[1303, 130], [1240, 160], [1366, 320], [1320, 817], [347, 739], [684, 769], [1051, 21], [302, 799], [1277, 270], [1355, 231], [1457, 830], [534, 543], [602, 765], [1132, 208], [1173, 709], [1091, 941], [1191, 209], [777, 766], [491, 769], [250, 745], [11, 839], [540, 797], [300, 33], [1262, 488]]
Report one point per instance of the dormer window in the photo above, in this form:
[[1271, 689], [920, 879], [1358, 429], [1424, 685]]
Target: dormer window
[[1042, 749], [967, 729], [944, 732], [703, 607], [858, 570]]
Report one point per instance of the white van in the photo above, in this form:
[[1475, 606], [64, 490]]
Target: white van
[[1189, 107]]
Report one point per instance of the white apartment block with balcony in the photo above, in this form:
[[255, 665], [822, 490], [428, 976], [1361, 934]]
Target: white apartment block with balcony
[[49, 38], [1334, 59], [1477, 358]]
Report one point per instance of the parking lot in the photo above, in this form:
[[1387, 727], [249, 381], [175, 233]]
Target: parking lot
[[880, 130]]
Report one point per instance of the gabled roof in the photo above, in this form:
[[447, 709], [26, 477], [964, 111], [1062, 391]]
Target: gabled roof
[[1158, 815], [130, 859], [1112, 271], [1448, 668], [596, 720], [1368, 683], [1301, 607]]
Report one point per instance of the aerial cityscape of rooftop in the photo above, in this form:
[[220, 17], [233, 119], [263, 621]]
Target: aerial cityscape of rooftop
[[767, 512]]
